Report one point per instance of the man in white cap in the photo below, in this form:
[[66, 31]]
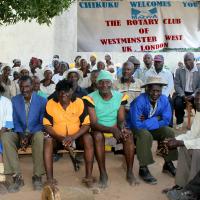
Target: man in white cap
[[149, 118]]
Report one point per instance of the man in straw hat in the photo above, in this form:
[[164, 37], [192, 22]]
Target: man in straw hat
[[107, 115], [149, 117]]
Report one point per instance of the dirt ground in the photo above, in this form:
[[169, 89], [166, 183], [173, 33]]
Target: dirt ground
[[118, 187]]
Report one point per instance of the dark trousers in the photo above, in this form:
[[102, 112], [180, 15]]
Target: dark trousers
[[172, 109], [179, 107], [144, 143], [194, 184]]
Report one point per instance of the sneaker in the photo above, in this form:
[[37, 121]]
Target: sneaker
[[146, 175], [18, 182], [37, 182], [169, 168], [179, 126]]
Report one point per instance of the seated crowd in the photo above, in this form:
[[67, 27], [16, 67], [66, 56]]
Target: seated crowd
[[66, 107]]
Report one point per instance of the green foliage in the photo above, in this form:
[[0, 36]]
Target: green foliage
[[12, 11]]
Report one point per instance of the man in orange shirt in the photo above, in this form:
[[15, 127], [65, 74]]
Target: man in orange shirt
[[66, 119]]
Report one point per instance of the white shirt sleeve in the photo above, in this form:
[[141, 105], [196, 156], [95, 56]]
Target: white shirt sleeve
[[8, 118]]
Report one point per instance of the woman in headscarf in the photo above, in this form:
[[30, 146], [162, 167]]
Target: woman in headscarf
[[47, 85], [85, 74], [14, 89]]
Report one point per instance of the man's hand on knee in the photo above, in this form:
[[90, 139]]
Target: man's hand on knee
[[172, 143], [25, 141], [126, 133]]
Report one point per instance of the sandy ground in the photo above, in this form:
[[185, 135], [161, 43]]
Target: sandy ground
[[118, 187]]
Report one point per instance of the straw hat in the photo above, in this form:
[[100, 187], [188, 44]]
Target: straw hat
[[154, 80]]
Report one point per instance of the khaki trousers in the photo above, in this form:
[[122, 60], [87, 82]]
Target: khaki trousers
[[188, 165], [10, 142]]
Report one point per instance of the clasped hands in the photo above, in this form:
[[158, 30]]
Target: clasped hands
[[121, 135]]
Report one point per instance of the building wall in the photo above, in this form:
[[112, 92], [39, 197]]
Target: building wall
[[26, 40]]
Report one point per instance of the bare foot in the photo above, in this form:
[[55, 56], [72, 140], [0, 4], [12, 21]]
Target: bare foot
[[131, 179], [103, 181], [89, 182]]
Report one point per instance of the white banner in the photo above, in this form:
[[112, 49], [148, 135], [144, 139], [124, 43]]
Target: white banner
[[128, 26]]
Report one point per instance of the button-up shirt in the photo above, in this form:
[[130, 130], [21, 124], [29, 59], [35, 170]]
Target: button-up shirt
[[166, 75], [192, 138], [133, 89], [189, 79]]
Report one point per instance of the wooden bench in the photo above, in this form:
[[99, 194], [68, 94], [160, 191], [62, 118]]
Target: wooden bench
[[29, 151]]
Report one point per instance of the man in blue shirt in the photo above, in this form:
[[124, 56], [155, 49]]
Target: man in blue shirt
[[149, 118], [28, 112]]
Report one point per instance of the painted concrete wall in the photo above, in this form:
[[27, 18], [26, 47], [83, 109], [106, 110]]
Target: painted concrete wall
[[24, 40]]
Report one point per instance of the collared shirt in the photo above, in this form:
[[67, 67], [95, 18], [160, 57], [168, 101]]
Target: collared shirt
[[141, 106], [6, 112], [166, 75], [133, 89], [191, 139], [144, 70], [189, 78], [27, 108], [153, 109], [66, 122]]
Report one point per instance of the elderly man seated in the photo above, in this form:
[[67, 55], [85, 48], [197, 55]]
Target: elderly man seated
[[128, 84], [186, 83], [28, 111], [66, 119], [149, 117], [189, 151], [107, 115]]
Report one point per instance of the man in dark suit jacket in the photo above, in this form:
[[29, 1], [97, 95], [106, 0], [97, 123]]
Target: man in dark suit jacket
[[186, 83], [28, 112]]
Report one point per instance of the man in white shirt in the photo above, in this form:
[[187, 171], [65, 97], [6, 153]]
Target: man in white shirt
[[159, 70], [189, 152], [6, 124], [148, 64]]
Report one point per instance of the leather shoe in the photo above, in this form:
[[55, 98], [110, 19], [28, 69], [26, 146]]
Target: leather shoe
[[37, 182], [146, 175], [181, 195], [175, 187], [18, 182], [169, 168]]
